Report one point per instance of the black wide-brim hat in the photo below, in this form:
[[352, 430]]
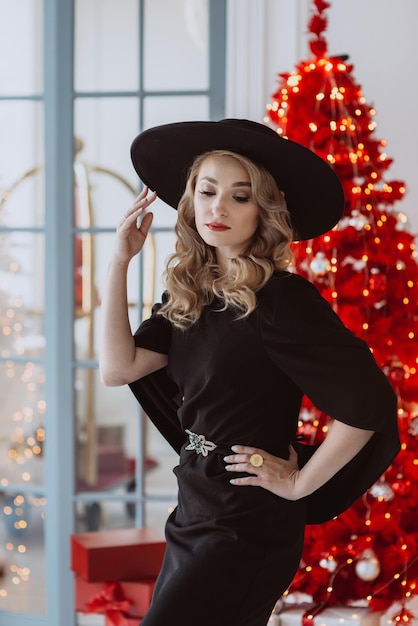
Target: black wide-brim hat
[[163, 155]]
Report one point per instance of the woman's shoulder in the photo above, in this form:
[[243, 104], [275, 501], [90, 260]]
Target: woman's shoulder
[[288, 285], [289, 300]]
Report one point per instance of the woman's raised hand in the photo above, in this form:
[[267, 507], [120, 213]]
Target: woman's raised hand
[[131, 235]]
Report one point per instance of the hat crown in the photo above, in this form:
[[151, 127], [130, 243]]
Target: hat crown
[[250, 125]]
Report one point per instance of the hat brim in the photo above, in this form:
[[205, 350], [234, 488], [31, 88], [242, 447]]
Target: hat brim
[[163, 155]]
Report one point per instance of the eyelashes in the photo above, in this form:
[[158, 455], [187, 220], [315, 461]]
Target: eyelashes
[[239, 199], [242, 199]]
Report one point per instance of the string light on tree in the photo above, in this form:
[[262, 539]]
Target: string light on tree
[[24, 405], [366, 268]]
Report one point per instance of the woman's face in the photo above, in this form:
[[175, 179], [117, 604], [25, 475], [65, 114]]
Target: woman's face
[[226, 214]]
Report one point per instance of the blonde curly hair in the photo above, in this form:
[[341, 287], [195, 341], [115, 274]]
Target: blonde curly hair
[[192, 276]]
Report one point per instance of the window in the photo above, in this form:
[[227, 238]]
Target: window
[[77, 83]]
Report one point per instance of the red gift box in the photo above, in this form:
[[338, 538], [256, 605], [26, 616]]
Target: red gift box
[[121, 554], [96, 596]]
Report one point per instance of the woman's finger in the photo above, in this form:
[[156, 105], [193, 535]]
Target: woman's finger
[[246, 454], [146, 224], [139, 205]]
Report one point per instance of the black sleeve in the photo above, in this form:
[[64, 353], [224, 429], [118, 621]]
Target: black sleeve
[[157, 393], [336, 370], [154, 333]]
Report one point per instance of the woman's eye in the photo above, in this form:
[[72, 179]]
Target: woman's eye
[[206, 192], [242, 199]]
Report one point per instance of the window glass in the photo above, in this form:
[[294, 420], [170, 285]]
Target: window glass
[[105, 425], [106, 182], [21, 163], [22, 437], [106, 45], [21, 295], [176, 45], [92, 255], [174, 109], [110, 514], [22, 588], [154, 261], [160, 481], [106, 446], [20, 47], [22, 269], [108, 467], [22, 425]]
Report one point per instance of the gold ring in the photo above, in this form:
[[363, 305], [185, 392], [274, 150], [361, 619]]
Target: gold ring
[[256, 460]]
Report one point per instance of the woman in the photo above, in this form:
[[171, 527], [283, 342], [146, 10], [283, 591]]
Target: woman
[[223, 362]]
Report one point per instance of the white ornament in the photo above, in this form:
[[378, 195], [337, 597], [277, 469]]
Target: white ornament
[[320, 264], [358, 221], [368, 566], [402, 223], [358, 264], [382, 490], [413, 427], [306, 415], [330, 564]]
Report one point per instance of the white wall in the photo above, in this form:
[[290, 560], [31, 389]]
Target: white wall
[[266, 37]]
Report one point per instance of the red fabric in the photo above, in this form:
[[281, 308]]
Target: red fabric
[[138, 593], [112, 602]]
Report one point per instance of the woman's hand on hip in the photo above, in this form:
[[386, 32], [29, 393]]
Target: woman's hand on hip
[[131, 233], [280, 476]]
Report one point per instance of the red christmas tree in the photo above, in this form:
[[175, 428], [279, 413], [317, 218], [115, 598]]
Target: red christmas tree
[[366, 268]]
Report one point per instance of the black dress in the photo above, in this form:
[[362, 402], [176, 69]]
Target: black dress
[[232, 551]]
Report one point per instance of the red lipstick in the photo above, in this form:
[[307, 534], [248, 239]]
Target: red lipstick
[[217, 227]]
